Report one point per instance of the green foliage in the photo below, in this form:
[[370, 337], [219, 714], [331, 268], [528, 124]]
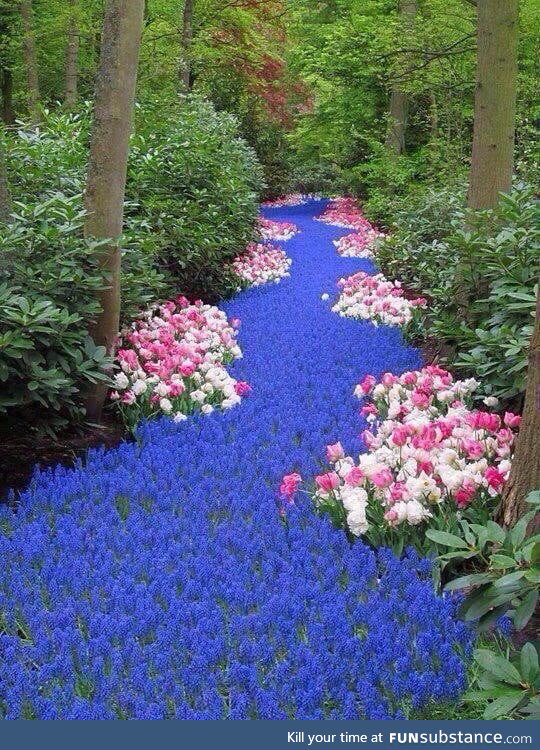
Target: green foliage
[[50, 159], [192, 203], [196, 185], [506, 565], [48, 280], [490, 257], [508, 682]]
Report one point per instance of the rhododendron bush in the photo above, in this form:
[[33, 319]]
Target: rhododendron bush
[[431, 458], [276, 230], [262, 263], [375, 298], [172, 362]]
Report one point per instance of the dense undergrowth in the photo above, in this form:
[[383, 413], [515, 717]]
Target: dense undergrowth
[[192, 206], [479, 271]]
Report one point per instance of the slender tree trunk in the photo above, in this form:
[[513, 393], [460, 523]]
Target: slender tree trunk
[[6, 84], [30, 60], [72, 54], [185, 45], [492, 159], [5, 198], [525, 472], [109, 148], [399, 104], [433, 118]]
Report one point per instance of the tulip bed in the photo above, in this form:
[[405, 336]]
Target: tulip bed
[[429, 454], [276, 230], [375, 298], [159, 579]]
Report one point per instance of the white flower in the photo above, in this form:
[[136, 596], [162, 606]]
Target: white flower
[[199, 396], [353, 498], [325, 297], [162, 389], [139, 387], [207, 409], [165, 405], [357, 521], [416, 512], [180, 417], [121, 380], [491, 401]]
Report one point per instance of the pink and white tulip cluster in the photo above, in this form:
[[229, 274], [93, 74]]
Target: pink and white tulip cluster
[[172, 361], [345, 212], [293, 199], [261, 264], [358, 244], [376, 299], [428, 452], [276, 230]]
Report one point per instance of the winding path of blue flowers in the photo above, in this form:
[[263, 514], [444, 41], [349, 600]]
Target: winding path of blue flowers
[[157, 580]]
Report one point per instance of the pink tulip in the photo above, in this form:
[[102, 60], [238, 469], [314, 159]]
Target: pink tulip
[[242, 388], [494, 478], [289, 485], [512, 420], [474, 448], [400, 435], [334, 452], [382, 478], [327, 482], [355, 477], [367, 384]]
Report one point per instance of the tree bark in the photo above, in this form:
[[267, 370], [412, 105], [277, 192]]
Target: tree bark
[[30, 60], [525, 472], [6, 85], [492, 158], [72, 54], [185, 45], [399, 104], [105, 190]]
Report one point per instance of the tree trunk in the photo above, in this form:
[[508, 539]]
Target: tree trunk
[[185, 45], [113, 113], [525, 472], [492, 159], [30, 60], [399, 104], [72, 54], [6, 85], [5, 198]]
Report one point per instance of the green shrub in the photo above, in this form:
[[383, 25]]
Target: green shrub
[[505, 565], [506, 681], [48, 281], [192, 193], [497, 253], [196, 185], [51, 158]]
